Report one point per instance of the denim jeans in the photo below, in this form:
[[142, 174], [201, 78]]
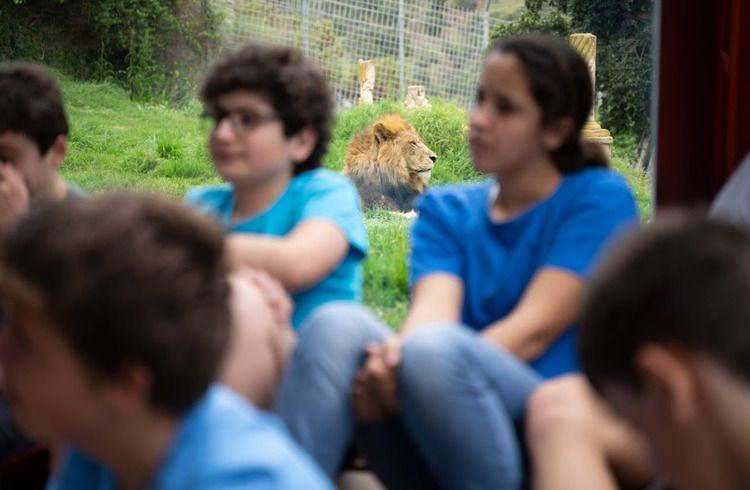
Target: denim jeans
[[462, 401]]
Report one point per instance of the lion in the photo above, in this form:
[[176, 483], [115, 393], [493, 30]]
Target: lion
[[389, 163]]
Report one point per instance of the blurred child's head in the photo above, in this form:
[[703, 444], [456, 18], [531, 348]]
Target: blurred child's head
[[33, 125], [272, 110], [665, 336], [533, 98], [113, 304]]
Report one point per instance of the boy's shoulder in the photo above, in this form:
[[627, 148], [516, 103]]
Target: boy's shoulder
[[224, 439], [209, 194]]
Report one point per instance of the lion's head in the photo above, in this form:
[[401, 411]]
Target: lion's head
[[389, 163]]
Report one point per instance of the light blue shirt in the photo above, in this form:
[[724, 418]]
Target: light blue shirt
[[496, 261], [318, 193], [223, 444]]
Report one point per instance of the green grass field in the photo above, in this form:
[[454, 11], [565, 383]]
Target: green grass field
[[117, 143]]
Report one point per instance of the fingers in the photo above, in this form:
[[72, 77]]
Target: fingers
[[278, 299], [392, 351], [14, 195]]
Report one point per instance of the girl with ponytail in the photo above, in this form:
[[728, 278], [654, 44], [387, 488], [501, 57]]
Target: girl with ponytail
[[497, 273]]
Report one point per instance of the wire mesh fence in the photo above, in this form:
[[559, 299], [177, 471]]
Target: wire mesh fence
[[431, 42]]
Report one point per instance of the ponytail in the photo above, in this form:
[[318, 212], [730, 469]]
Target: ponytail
[[576, 154]]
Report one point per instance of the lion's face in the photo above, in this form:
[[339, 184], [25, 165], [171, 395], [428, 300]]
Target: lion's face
[[408, 149]]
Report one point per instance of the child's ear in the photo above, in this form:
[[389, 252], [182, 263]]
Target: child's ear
[[56, 153], [302, 144], [555, 134], [131, 389], [381, 133], [668, 376]]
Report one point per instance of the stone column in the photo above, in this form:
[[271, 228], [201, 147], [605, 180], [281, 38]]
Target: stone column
[[415, 97], [366, 72], [585, 44]]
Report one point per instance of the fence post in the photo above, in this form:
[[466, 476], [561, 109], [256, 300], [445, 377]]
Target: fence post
[[306, 27], [401, 87], [486, 23]]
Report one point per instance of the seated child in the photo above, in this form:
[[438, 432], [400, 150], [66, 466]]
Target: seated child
[[497, 271], [116, 320], [271, 110], [33, 143], [33, 140], [665, 339]]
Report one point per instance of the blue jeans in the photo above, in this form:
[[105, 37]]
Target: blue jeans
[[461, 400]]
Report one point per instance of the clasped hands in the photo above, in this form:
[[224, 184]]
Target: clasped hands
[[375, 390]]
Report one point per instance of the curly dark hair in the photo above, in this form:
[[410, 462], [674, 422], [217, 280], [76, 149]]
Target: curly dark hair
[[294, 85], [127, 280], [31, 104]]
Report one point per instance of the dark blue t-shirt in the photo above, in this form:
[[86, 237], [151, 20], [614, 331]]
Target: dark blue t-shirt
[[455, 234]]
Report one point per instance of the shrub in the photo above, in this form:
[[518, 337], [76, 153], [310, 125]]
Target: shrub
[[155, 48]]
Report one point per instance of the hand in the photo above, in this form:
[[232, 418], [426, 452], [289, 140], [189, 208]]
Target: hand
[[276, 297], [375, 391], [14, 195]]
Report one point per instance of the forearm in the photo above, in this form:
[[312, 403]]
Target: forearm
[[436, 299], [524, 341], [274, 255]]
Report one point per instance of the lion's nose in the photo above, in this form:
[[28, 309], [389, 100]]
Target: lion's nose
[[433, 158]]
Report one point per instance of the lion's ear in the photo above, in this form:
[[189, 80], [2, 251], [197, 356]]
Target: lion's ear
[[382, 134]]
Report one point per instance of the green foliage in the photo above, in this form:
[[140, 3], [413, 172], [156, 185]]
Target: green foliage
[[386, 286], [546, 21], [155, 48], [624, 65], [118, 143]]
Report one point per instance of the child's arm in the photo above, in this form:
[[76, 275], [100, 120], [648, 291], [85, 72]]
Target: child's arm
[[436, 298], [298, 260], [549, 305]]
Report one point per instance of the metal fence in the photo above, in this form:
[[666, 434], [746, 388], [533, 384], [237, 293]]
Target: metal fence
[[434, 43]]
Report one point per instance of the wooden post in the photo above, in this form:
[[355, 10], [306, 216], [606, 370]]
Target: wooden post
[[415, 97], [366, 72], [585, 44]]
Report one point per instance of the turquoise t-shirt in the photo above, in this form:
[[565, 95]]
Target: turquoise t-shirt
[[223, 443], [318, 193], [496, 261]]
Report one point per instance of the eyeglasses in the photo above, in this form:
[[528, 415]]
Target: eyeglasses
[[242, 121]]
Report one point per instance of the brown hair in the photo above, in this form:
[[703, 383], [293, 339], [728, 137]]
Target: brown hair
[[294, 85], [31, 104], [681, 281], [129, 280], [561, 85]]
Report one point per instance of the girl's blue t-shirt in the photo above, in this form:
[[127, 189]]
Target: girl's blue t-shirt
[[496, 261], [318, 193]]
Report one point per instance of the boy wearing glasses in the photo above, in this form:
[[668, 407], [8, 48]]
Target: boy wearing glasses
[[271, 110]]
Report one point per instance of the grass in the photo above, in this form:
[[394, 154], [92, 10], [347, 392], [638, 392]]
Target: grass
[[117, 143]]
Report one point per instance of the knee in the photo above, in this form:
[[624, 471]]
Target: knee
[[335, 330], [559, 409], [433, 355]]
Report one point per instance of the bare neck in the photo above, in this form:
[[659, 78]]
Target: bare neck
[[726, 401], [251, 198], [521, 188], [56, 190], [134, 450]]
